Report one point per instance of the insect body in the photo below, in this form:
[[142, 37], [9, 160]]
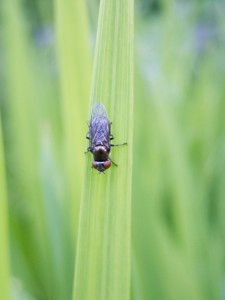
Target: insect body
[[99, 136]]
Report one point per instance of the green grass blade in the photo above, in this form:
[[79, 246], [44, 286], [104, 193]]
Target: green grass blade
[[103, 251], [4, 251], [75, 74]]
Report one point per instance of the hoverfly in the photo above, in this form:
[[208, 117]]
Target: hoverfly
[[100, 137]]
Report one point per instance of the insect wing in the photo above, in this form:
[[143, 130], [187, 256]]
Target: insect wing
[[98, 110], [99, 126]]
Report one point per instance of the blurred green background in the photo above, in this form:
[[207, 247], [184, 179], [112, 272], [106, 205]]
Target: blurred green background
[[178, 201]]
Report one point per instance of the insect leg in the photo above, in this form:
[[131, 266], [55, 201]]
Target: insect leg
[[88, 149], [113, 162], [113, 145]]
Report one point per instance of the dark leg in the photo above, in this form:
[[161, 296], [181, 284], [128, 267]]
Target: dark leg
[[88, 149], [113, 162], [113, 145]]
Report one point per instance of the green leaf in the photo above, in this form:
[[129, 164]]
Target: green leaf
[[75, 76], [4, 251], [103, 250]]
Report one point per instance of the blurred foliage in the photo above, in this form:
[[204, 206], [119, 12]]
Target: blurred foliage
[[4, 234], [178, 224]]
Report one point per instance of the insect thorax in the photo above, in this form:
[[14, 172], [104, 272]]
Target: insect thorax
[[100, 153]]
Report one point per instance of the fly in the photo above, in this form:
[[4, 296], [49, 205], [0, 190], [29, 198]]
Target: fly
[[100, 137]]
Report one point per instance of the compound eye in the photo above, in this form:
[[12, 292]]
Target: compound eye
[[95, 165], [107, 164], [101, 166]]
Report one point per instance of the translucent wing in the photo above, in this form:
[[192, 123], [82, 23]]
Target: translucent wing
[[98, 110], [99, 128]]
